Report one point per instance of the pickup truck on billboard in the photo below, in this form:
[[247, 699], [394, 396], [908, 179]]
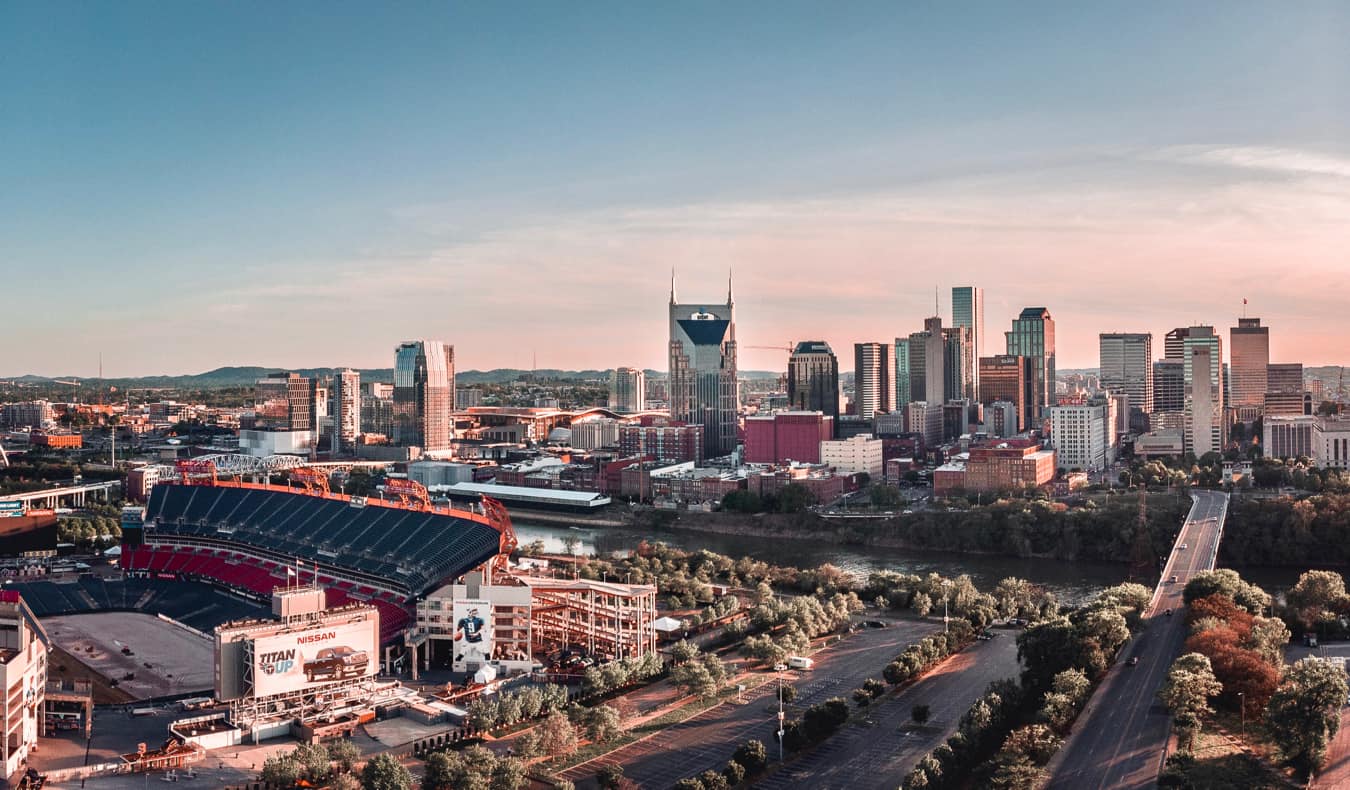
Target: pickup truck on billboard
[[336, 663]]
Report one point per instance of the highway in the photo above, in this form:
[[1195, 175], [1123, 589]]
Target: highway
[[1121, 738]]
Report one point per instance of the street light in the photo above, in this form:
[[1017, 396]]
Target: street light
[[779, 669], [946, 594], [1242, 707]]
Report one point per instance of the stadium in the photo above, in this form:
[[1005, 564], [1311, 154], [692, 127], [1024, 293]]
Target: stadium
[[254, 537]]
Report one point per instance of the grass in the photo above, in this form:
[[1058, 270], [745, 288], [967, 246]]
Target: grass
[[1222, 759]]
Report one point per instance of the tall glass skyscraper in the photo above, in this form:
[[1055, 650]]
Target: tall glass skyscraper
[[1249, 353], [1202, 372], [704, 389], [424, 394], [813, 379], [1126, 367], [872, 391], [346, 409], [968, 311], [1033, 336]]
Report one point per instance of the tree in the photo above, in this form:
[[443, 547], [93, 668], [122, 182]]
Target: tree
[[1304, 713], [315, 761], [689, 783], [752, 756], [384, 772], [281, 770], [344, 753], [1186, 692], [345, 782], [1317, 598], [556, 735], [683, 651], [920, 713], [610, 776], [508, 774], [1226, 582], [922, 604], [734, 773], [602, 723]]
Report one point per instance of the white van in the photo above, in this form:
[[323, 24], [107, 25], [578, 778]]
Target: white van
[[800, 662]]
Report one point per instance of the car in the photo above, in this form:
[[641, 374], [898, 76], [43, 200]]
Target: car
[[336, 663], [1182, 547], [875, 624], [1168, 612], [1134, 661], [1174, 578]]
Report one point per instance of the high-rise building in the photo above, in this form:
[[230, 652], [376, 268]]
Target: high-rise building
[[1174, 343], [1249, 357], [283, 402], [1126, 367], [704, 389], [1169, 386], [628, 390], [1033, 336], [813, 379], [788, 436], [1080, 435], [903, 394], [925, 419], [872, 391], [424, 394], [916, 358], [346, 409], [968, 311], [1202, 371], [958, 377], [1007, 378], [1286, 394]]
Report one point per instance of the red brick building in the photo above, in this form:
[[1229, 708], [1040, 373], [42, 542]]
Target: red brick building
[[787, 437]]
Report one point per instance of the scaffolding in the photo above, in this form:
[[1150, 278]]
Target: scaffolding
[[608, 620]]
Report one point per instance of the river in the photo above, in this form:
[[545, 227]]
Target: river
[[1071, 582]]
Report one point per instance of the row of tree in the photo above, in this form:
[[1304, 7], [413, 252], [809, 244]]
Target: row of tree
[[507, 708], [1287, 531], [748, 762]]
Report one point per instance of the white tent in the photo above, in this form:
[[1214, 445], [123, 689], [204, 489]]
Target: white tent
[[668, 624], [485, 674]]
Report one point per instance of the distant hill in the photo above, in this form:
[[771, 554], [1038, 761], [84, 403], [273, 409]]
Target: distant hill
[[246, 376]]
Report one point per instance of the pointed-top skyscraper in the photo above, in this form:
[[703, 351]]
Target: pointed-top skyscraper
[[703, 385]]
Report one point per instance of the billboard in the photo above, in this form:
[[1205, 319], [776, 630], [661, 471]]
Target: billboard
[[473, 633], [11, 508], [322, 653]]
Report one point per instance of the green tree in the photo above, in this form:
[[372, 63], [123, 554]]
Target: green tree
[[282, 770], [344, 753], [920, 713], [556, 735], [602, 723], [1186, 692], [1317, 598], [1304, 713], [384, 772], [752, 756]]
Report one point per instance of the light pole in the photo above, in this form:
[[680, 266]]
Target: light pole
[[779, 669], [1242, 708], [946, 594]]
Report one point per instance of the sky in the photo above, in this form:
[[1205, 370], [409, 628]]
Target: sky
[[190, 185]]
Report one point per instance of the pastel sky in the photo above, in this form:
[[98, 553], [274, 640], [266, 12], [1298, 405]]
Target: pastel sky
[[189, 185]]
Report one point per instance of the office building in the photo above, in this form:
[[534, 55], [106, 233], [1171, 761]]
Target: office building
[[676, 444], [1126, 367], [1009, 378], [958, 365], [859, 454], [1249, 358], [24, 645], [925, 419], [903, 394], [1006, 466], [1286, 394], [1000, 419], [594, 433], [1169, 386], [704, 389], [872, 391], [1290, 436], [346, 411], [36, 415], [1174, 343], [424, 394], [1202, 370], [813, 379], [968, 312], [787, 437], [628, 390], [1080, 437], [1033, 336], [283, 402], [467, 398]]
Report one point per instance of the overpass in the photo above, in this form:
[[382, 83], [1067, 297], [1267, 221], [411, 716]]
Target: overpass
[[75, 495], [1120, 740]]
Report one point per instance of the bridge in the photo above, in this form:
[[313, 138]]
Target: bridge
[[75, 495], [240, 465], [1120, 740]]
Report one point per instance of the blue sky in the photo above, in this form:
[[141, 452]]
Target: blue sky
[[188, 185]]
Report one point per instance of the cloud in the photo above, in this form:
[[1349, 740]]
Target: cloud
[[1288, 161]]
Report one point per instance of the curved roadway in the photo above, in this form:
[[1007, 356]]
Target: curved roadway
[[1120, 740]]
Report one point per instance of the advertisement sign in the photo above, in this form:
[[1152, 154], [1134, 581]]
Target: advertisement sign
[[11, 508], [315, 656], [473, 633]]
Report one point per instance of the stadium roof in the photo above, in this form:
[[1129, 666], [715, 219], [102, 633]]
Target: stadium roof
[[526, 495]]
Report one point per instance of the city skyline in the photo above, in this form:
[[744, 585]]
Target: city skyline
[[230, 177]]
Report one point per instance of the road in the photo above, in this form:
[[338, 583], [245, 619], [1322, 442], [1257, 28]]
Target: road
[[1120, 739], [877, 755], [709, 739]]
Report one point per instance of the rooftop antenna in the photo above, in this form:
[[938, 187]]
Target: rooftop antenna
[[937, 309], [672, 285], [1244, 307]]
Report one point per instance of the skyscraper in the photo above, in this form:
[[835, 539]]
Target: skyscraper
[[1249, 358], [872, 390], [813, 379], [1202, 370], [1126, 368], [903, 394], [1169, 386], [703, 385], [958, 378], [346, 409], [424, 394], [968, 311], [1004, 379], [283, 402], [1033, 336], [628, 390], [1174, 342], [1286, 394]]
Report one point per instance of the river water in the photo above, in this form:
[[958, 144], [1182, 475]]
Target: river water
[[1072, 582]]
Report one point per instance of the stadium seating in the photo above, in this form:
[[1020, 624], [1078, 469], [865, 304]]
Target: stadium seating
[[200, 606]]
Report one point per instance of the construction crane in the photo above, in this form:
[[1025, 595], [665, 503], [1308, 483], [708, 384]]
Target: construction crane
[[788, 348]]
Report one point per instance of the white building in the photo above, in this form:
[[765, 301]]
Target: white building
[[596, 433], [1323, 440], [628, 390], [925, 419], [265, 443], [856, 454], [1079, 435], [23, 671]]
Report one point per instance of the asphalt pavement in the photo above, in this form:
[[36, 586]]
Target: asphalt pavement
[[1120, 740], [709, 739]]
